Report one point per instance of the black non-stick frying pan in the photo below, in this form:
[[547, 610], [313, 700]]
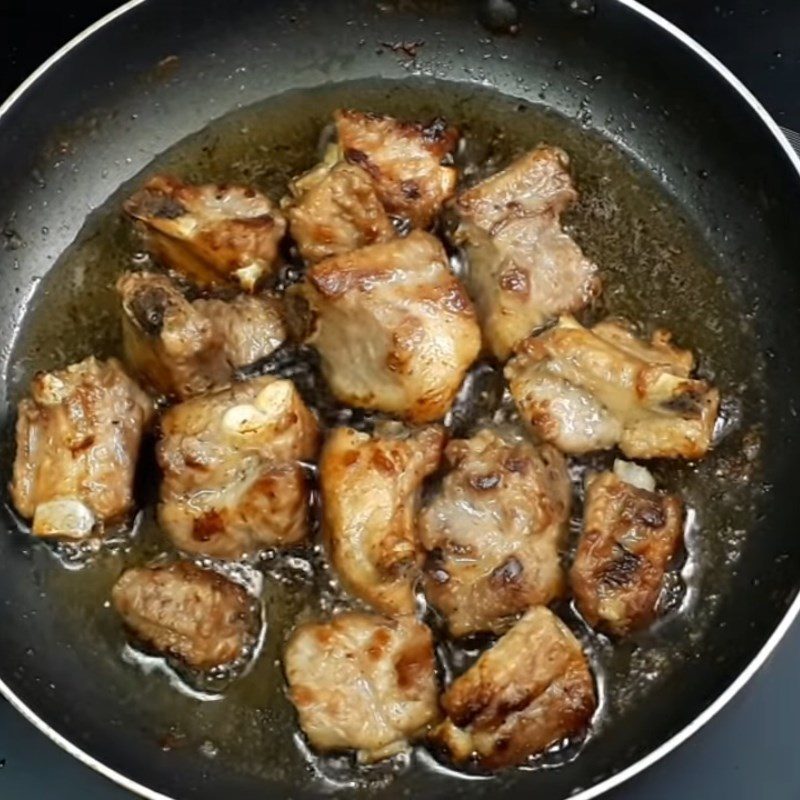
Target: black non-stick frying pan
[[155, 72]]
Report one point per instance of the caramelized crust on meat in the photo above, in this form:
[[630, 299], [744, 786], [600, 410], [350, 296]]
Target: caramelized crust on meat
[[493, 533], [630, 534], [361, 682], [529, 691], [212, 233], [370, 497], [523, 270], [335, 210], [181, 348], [233, 482], [593, 389], [536, 182], [395, 329], [188, 613], [78, 439], [404, 159]]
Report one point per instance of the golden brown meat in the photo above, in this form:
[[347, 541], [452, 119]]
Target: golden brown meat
[[395, 329], [233, 483], [181, 348], [361, 682], [188, 613], [335, 210], [593, 389], [532, 689], [78, 439], [630, 534], [410, 163], [370, 497], [523, 270], [212, 234], [493, 533]]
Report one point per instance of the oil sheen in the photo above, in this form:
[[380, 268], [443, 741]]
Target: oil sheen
[[657, 271]]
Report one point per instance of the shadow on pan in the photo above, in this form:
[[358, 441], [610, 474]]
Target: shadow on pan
[[635, 106]]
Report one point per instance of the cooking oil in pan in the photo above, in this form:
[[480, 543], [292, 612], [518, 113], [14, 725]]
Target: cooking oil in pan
[[656, 271]]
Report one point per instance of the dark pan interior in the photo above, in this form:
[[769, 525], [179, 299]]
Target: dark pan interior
[[106, 109]]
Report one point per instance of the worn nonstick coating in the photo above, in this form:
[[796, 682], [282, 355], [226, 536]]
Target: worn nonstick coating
[[119, 109]]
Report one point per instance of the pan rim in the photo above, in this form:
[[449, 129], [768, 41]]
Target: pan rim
[[713, 708]]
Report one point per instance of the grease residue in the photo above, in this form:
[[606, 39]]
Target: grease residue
[[656, 269]]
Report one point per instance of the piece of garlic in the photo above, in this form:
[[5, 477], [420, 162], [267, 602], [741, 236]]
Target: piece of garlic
[[244, 420], [249, 276], [269, 408], [634, 475], [275, 399], [65, 518]]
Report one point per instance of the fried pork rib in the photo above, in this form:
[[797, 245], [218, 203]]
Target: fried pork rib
[[78, 439], [361, 682], [370, 498], [630, 534], [406, 161], [395, 329], [181, 348], [493, 533], [187, 613], [212, 233], [233, 482], [588, 390], [532, 689], [335, 209], [523, 269]]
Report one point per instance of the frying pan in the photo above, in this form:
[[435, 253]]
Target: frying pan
[[152, 73]]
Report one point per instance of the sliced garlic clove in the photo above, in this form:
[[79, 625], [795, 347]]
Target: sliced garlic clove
[[67, 519], [244, 420], [269, 408], [275, 399], [635, 475], [249, 276]]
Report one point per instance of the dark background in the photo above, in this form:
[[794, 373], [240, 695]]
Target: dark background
[[747, 751]]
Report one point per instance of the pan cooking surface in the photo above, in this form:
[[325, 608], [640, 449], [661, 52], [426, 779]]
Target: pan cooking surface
[[657, 268]]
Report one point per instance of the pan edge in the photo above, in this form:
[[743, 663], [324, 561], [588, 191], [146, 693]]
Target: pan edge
[[714, 707]]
